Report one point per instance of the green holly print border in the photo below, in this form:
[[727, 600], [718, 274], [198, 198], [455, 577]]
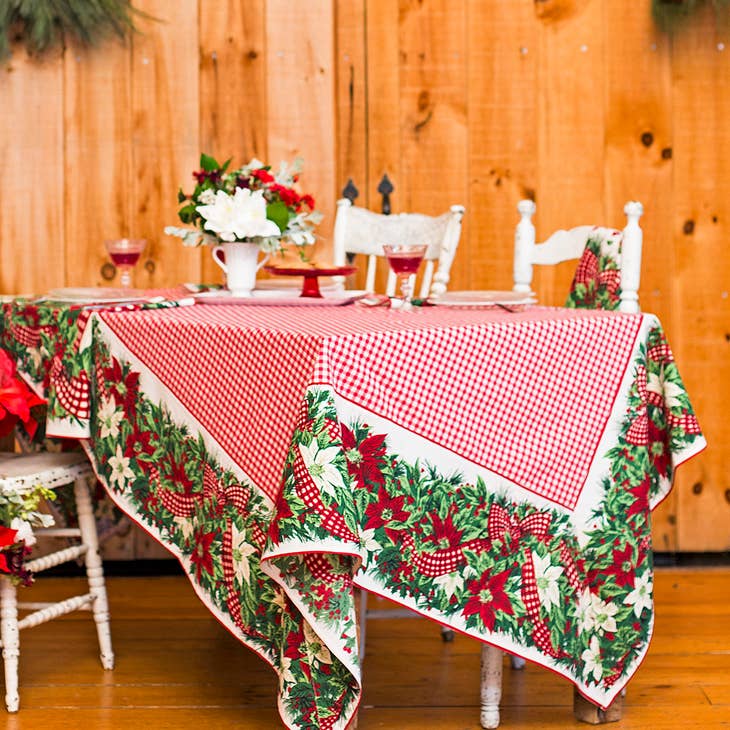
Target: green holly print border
[[45, 337], [487, 563], [601, 289], [164, 475]]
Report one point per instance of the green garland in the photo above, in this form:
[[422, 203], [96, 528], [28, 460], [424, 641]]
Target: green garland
[[669, 14], [43, 24]]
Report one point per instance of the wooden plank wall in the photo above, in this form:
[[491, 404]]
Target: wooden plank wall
[[581, 104]]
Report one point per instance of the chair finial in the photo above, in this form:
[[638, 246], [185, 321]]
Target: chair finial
[[350, 191], [526, 208], [385, 188]]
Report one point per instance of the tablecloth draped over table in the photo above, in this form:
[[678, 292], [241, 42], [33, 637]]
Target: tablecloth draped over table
[[494, 471]]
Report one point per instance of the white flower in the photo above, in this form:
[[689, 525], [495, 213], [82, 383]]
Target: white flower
[[110, 417], [241, 550], [120, 471], [665, 388], [603, 614], [450, 583], [368, 541], [207, 197], [285, 673], [641, 597], [592, 658], [186, 527], [584, 615], [240, 216], [24, 530], [314, 647], [546, 576], [320, 467]]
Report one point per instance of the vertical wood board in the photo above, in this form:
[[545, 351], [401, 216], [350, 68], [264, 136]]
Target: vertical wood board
[[233, 78]]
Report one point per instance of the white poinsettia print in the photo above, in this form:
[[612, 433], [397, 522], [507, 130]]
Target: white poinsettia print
[[670, 392], [315, 647], [546, 576], [120, 469], [592, 665], [641, 597], [109, 418], [450, 583], [584, 614], [321, 467], [241, 551], [603, 614]]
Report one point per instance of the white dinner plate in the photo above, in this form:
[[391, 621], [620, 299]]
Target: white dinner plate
[[279, 297], [91, 294], [489, 298]]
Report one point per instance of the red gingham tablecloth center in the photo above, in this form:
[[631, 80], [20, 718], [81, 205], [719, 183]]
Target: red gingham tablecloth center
[[526, 395]]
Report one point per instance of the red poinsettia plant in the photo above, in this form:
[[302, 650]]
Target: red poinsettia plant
[[18, 510]]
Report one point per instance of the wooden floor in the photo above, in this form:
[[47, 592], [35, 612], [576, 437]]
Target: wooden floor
[[177, 668]]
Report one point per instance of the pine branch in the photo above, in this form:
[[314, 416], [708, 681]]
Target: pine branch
[[44, 24]]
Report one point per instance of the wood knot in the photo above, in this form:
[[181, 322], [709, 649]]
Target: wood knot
[[697, 488], [252, 55], [688, 228], [108, 271], [647, 139], [727, 495], [667, 153], [424, 99], [150, 266]]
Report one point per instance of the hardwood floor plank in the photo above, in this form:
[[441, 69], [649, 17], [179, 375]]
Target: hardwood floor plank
[[177, 667]]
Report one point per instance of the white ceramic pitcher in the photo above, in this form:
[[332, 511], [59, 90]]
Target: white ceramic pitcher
[[241, 265]]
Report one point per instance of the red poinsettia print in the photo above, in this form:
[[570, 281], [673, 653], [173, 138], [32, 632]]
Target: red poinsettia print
[[201, 556], [444, 535], [487, 597], [364, 460], [622, 567], [386, 510]]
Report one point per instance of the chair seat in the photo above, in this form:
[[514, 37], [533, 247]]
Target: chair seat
[[22, 472]]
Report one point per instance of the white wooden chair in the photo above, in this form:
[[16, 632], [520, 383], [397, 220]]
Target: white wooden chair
[[562, 245], [361, 231], [565, 245], [23, 472]]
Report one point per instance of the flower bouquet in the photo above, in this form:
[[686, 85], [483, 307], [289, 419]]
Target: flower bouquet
[[18, 510], [249, 204]]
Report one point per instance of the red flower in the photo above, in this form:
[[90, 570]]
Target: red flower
[[16, 398], [386, 510], [262, 174], [444, 534], [289, 197], [7, 536], [201, 557], [641, 499], [175, 472], [623, 567], [306, 200], [488, 597], [364, 461], [139, 442]]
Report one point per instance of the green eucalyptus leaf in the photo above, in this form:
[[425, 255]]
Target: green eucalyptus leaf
[[279, 213], [208, 163]]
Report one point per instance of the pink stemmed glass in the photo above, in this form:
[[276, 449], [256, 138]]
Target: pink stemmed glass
[[125, 253], [405, 261]]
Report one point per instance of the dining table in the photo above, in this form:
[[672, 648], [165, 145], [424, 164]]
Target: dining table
[[491, 468]]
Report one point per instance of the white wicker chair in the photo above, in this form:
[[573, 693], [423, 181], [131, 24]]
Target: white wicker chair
[[361, 231], [21, 472]]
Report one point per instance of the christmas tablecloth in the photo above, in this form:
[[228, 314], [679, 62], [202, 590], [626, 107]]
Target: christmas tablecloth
[[494, 471]]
